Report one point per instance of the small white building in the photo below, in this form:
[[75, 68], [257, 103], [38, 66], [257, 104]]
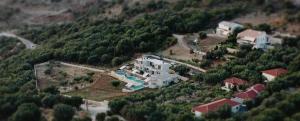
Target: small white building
[[214, 106], [157, 72], [226, 28], [271, 74], [258, 39]]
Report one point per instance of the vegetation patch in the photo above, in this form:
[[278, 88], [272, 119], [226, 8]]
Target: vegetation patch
[[9, 47]]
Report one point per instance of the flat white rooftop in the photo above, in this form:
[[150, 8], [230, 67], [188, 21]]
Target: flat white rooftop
[[230, 24]]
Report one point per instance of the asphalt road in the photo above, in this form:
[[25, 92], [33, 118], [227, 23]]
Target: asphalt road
[[27, 43]]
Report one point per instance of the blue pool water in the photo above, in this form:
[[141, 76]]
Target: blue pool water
[[137, 87], [132, 78]]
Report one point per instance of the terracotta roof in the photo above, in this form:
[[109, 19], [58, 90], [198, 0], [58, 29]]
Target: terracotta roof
[[248, 95], [250, 33], [258, 87], [276, 72], [235, 81], [213, 106], [251, 92]]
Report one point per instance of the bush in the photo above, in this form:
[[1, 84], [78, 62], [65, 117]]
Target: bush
[[202, 35]]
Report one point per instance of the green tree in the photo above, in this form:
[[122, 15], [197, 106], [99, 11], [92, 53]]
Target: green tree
[[49, 101], [100, 117], [264, 27], [27, 112], [115, 83], [117, 105], [185, 117], [63, 112], [157, 116], [182, 70], [74, 101], [202, 35], [116, 61]]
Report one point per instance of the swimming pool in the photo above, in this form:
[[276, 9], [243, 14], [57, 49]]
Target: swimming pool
[[134, 88], [132, 78]]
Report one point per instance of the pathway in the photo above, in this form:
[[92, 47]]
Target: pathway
[[27, 43], [181, 42], [178, 62], [82, 67]]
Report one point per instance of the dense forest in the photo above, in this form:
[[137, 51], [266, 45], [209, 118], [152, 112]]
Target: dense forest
[[148, 28]]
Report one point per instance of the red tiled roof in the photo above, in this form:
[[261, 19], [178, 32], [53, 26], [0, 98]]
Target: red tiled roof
[[248, 95], [251, 92], [213, 106], [275, 72], [235, 81], [258, 87]]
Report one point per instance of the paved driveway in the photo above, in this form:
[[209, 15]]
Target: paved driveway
[[27, 43]]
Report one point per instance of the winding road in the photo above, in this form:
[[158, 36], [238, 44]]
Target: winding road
[[27, 43]]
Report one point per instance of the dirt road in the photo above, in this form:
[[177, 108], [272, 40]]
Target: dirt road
[[27, 43], [83, 67], [181, 42], [178, 62]]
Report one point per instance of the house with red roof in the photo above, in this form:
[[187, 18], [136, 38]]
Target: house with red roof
[[214, 106], [250, 94], [233, 82], [271, 74]]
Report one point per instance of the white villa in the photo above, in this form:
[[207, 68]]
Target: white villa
[[258, 39], [157, 72], [226, 28]]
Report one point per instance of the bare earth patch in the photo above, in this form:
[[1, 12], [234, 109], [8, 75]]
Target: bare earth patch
[[60, 75], [101, 90], [210, 43], [276, 20], [179, 53]]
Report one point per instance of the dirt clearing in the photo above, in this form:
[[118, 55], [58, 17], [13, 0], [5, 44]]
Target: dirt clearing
[[277, 20]]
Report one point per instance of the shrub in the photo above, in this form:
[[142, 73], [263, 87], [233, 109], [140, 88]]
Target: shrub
[[115, 83]]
